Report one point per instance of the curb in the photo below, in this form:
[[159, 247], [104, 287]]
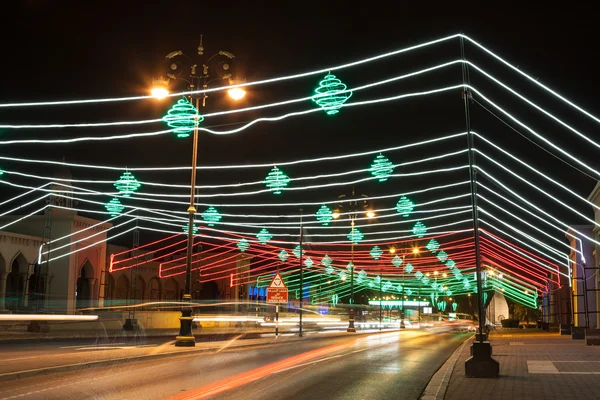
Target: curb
[[437, 386], [9, 376]]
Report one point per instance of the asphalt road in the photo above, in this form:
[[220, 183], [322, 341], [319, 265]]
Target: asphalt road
[[395, 365]]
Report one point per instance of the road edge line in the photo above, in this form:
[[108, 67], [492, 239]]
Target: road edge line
[[439, 382]]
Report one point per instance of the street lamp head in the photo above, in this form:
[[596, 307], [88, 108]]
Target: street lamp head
[[370, 214], [236, 93], [336, 214], [160, 88], [415, 250], [392, 250]]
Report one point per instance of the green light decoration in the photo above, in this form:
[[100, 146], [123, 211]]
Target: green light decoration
[[296, 251], [185, 229], [419, 229], [324, 215], [377, 279], [1, 172], [408, 268], [127, 184], [308, 262], [450, 264], [376, 252], [114, 207], [182, 118], [408, 292], [276, 180], [433, 245], [442, 306], [396, 261], [485, 296], [283, 255], [330, 95], [371, 284], [381, 168], [326, 261], [329, 269], [342, 275], [349, 267], [425, 280], [263, 236], [454, 306], [211, 216], [442, 256], [362, 275], [355, 236], [433, 297], [399, 288], [448, 292], [243, 245], [418, 275], [405, 206], [335, 299]]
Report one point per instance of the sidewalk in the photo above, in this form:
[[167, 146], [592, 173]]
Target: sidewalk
[[533, 365]]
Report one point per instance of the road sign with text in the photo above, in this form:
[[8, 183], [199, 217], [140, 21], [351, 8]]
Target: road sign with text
[[277, 292]]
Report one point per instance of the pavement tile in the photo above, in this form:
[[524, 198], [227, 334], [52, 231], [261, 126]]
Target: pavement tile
[[578, 362]]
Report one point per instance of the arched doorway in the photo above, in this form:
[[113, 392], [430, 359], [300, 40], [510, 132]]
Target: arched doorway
[[209, 291], [85, 283], [139, 289], [15, 284], [171, 289], [122, 289], [154, 289], [109, 289], [37, 289]]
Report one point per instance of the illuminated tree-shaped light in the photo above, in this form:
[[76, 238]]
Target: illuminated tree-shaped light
[[442, 305], [335, 299], [264, 236], [211, 216], [362, 275], [450, 264], [330, 95], [326, 261], [449, 292], [454, 306], [386, 286], [377, 279], [296, 251], [186, 229], [442, 256], [433, 245], [433, 297], [399, 288], [127, 184], [329, 269], [349, 267], [355, 236], [376, 252], [408, 292], [425, 280], [243, 245], [342, 275], [419, 229], [114, 207], [182, 118], [276, 180], [324, 215], [283, 255], [408, 268], [308, 262], [396, 261], [418, 275], [381, 168], [405, 206]]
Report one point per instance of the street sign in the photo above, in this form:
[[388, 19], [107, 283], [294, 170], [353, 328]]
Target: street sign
[[277, 291]]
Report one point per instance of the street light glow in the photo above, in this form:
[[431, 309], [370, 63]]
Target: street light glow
[[415, 250], [336, 214], [370, 214], [159, 92], [236, 93]]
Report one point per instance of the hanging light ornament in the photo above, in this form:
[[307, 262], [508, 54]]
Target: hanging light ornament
[[454, 306], [276, 180], [182, 118], [296, 251], [342, 275], [114, 207], [211, 216], [433, 245], [397, 261], [442, 256], [324, 215], [264, 236], [450, 264], [331, 94], [419, 229], [243, 245], [329, 269], [408, 268], [326, 261], [355, 236], [381, 168], [283, 255], [362, 275], [405, 206], [308, 262], [185, 229], [127, 184], [376, 252]]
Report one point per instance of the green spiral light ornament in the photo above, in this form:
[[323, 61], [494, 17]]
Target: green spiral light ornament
[[127, 184], [450, 264], [326, 261], [419, 229], [405, 206], [211, 216], [408, 268], [114, 207], [396, 261], [182, 118], [243, 245], [308, 262], [276, 180], [330, 95], [433, 245], [186, 229], [264, 236], [283, 255], [355, 236], [296, 251], [324, 215], [381, 168], [442, 256], [376, 252]]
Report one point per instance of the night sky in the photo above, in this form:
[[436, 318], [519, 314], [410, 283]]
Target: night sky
[[58, 50]]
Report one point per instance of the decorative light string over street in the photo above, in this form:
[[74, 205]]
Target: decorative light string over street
[[330, 95], [276, 180], [381, 168], [114, 207], [127, 184]]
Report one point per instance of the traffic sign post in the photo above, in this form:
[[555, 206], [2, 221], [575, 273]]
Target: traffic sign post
[[277, 293]]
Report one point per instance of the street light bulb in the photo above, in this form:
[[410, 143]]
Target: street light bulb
[[435, 273], [336, 214], [392, 250], [444, 275], [159, 92], [236, 93], [344, 277], [370, 214], [415, 250]]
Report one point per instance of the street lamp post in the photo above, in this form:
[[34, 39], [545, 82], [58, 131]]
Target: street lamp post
[[177, 62], [353, 208]]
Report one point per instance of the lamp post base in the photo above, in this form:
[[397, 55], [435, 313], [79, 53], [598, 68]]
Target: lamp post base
[[481, 364], [185, 337]]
